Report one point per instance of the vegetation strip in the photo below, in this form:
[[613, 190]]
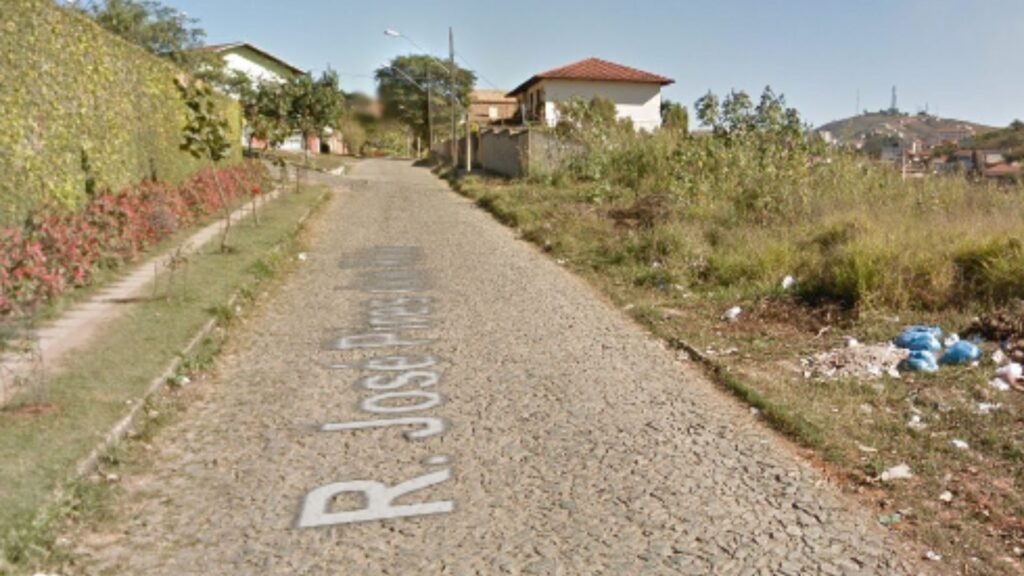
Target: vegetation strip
[[28, 521], [808, 260], [51, 342]]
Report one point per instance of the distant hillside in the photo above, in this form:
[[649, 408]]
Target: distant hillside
[[930, 129]]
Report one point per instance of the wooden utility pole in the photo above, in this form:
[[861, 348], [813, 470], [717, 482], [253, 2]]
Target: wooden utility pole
[[430, 116], [451, 88], [469, 144]]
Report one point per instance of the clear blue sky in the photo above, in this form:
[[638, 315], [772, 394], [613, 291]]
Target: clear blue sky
[[960, 57]]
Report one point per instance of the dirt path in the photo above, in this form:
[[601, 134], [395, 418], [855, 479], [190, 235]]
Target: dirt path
[[486, 414]]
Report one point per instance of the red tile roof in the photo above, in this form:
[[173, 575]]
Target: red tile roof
[[595, 69]]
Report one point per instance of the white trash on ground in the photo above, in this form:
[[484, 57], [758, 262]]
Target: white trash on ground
[[959, 444], [999, 384], [898, 472], [988, 407], [946, 497], [788, 282], [732, 314], [1010, 373], [915, 423]]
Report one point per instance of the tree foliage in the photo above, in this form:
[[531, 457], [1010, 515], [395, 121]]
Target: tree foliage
[[313, 105], [674, 117], [736, 115], [579, 118], [404, 84], [162, 30], [265, 108]]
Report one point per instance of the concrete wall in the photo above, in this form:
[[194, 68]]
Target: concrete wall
[[504, 151], [547, 153], [641, 103]]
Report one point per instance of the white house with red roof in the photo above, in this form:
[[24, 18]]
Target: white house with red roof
[[636, 94]]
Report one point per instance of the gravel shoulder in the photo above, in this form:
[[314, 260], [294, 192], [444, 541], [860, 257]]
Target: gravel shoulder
[[575, 443]]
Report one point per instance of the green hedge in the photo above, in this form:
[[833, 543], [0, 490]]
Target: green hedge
[[78, 104]]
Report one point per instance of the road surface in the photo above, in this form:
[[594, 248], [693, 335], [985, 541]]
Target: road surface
[[429, 395]]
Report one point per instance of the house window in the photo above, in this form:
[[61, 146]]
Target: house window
[[492, 112]]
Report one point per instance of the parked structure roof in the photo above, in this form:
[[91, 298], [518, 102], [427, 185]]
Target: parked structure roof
[[594, 69]]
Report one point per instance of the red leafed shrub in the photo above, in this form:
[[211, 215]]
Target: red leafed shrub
[[55, 251]]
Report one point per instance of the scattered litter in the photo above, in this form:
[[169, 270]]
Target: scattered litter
[[560, 262], [850, 342], [894, 372], [303, 256], [932, 556], [655, 264], [867, 408], [732, 314], [915, 423], [788, 282], [898, 472], [858, 362], [629, 307], [754, 412], [999, 357], [988, 407], [951, 340], [960, 352], [946, 497], [866, 449], [1010, 373], [112, 478], [999, 384], [890, 519], [1006, 326], [959, 444], [919, 361], [920, 338]]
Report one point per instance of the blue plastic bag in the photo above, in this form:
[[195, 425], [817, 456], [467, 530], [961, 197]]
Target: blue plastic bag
[[963, 352], [919, 361], [920, 338]]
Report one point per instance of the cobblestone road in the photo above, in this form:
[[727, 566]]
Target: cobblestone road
[[504, 417]]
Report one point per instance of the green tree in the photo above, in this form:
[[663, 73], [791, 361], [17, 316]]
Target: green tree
[[708, 111], [163, 30], [265, 109], [674, 117], [205, 136], [581, 118], [404, 84]]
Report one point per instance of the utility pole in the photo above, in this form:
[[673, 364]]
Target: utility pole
[[430, 117], [469, 144], [451, 88]]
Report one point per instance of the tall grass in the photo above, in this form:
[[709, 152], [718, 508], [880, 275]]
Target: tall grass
[[743, 208]]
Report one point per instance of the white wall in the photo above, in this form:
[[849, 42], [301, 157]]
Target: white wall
[[641, 103], [251, 69]]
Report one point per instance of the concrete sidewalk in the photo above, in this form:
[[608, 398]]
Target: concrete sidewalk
[[76, 327]]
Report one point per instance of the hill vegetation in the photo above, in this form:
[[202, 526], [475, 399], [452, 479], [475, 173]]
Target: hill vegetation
[[1009, 139], [888, 124]]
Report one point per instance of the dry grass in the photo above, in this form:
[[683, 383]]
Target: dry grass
[[871, 253]]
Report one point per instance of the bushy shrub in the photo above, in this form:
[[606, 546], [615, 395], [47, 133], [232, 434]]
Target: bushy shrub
[[54, 251]]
